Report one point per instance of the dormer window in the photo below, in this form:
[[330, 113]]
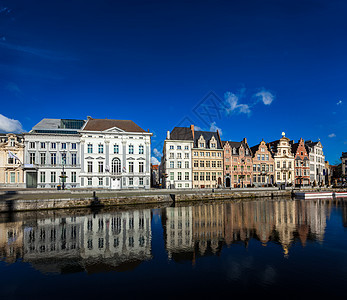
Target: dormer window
[[202, 145], [213, 145], [234, 150], [12, 142]]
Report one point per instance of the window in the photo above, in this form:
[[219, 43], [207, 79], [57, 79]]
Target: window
[[278, 176], [131, 149], [63, 146], [73, 177], [196, 163], [179, 155], [284, 164], [213, 175], [42, 177], [196, 176], [100, 148], [53, 177], [90, 148], [53, 145], [179, 164], [202, 176], [171, 147], [213, 164], [43, 145], [43, 158], [202, 164], [32, 158], [262, 149], [219, 164], [141, 149], [13, 177], [171, 165], [12, 142], [32, 145], [73, 159], [115, 149], [116, 166], [262, 157], [53, 159], [186, 155], [186, 176], [278, 165], [186, 164], [196, 153], [101, 181], [131, 181], [201, 145], [90, 167], [141, 181], [179, 176], [178, 147], [73, 146], [208, 176], [267, 156], [254, 168], [89, 182], [131, 167], [172, 176], [202, 153], [186, 147], [101, 167], [213, 145], [258, 156], [141, 167]]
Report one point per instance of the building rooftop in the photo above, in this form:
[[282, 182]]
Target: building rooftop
[[105, 124]]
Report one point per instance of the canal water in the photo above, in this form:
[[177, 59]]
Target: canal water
[[272, 248]]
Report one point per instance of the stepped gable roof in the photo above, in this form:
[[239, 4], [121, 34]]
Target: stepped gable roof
[[181, 133], [207, 135], [237, 145], [104, 124]]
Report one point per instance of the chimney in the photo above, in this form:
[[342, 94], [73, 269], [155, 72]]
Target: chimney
[[192, 129], [244, 140], [89, 117], [168, 135]]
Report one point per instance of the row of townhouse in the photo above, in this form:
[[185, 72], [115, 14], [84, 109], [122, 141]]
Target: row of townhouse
[[200, 159], [98, 153]]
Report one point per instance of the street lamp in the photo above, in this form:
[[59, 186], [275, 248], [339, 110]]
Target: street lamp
[[63, 176]]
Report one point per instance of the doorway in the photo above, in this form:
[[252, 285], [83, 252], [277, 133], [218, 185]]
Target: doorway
[[227, 182], [31, 179], [115, 183]]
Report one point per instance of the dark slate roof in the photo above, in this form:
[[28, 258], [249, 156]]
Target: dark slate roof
[[207, 135], [237, 145], [181, 133], [294, 147], [104, 124]]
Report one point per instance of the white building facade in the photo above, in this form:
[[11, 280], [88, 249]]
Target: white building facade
[[52, 154], [317, 162], [115, 154], [283, 160], [176, 162]]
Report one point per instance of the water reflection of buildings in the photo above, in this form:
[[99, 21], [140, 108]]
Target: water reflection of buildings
[[218, 224], [92, 243]]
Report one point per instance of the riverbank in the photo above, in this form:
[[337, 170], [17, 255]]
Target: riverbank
[[43, 199]]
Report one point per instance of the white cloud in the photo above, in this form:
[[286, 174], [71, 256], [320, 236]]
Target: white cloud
[[265, 96], [338, 103], [10, 125], [197, 128], [232, 100], [157, 153], [214, 128], [154, 161], [331, 135]]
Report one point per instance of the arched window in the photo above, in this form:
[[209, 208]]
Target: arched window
[[116, 166]]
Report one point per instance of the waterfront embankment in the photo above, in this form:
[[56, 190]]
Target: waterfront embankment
[[41, 199]]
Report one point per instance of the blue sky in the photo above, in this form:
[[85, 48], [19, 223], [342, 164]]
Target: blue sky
[[269, 66]]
